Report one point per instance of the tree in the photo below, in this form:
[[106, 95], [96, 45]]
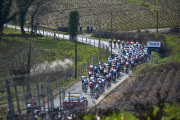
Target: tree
[[23, 6], [73, 24], [5, 13], [37, 10]]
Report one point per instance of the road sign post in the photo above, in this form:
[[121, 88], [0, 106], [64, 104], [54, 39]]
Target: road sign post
[[153, 46]]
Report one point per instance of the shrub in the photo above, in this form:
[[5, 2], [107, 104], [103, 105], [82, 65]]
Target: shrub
[[62, 29]]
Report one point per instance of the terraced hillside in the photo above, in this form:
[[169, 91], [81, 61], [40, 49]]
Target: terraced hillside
[[143, 88], [127, 14]]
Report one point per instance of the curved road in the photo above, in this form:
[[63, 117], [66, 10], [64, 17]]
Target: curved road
[[77, 88]]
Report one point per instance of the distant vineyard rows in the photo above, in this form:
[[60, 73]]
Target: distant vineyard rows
[[127, 14]]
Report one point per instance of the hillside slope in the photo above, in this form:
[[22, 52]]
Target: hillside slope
[[127, 14], [143, 88]]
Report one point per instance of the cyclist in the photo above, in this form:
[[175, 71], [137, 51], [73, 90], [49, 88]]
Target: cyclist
[[83, 78], [114, 75], [90, 73], [95, 70], [91, 86], [97, 90], [137, 60], [85, 85], [103, 81], [108, 79], [131, 42], [112, 55], [127, 66], [91, 67], [119, 43], [97, 75], [118, 67], [101, 69], [100, 62], [94, 82], [105, 72], [127, 43], [110, 42], [132, 61], [114, 43], [123, 44], [92, 78]]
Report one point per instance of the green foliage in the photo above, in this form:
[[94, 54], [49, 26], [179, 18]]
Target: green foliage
[[73, 23], [170, 111], [121, 116], [6, 14], [173, 41]]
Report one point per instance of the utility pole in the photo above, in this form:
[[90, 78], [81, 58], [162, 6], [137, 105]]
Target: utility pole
[[156, 35], [157, 27], [75, 57], [99, 44], [28, 72], [111, 32]]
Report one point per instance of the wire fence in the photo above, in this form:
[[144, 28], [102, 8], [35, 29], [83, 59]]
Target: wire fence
[[43, 105], [43, 86]]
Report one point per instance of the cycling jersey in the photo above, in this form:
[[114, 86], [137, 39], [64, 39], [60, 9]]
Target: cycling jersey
[[90, 72], [101, 68], [86, 82], [91, 67]]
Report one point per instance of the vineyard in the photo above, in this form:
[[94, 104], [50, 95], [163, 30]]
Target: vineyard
[[144, 88], [127, 14]]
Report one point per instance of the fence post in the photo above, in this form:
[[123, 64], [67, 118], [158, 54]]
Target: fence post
[[32, 111], [90, 43], [52, 97], [60, 97], [81, 68], [59, 80], [1, 115], [34, 92], [94, 43], [42, 94], [86, 41], [43, 32], [63, 36], [10, 103], [54, 36], [17, 101], [64, 76], [69, 103], [38, 98], [24, 94], [72, 73], [47, 89], [82, 39]]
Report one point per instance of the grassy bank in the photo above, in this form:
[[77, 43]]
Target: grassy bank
[[14, 54], [170, 111], [50, 49], [173, 42]]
